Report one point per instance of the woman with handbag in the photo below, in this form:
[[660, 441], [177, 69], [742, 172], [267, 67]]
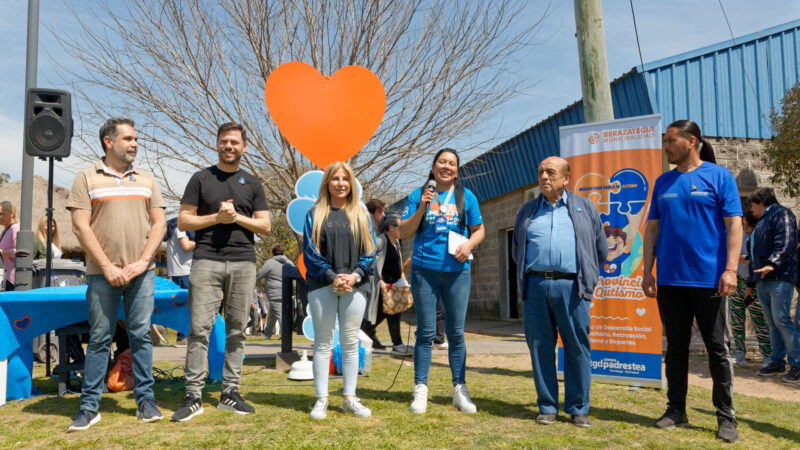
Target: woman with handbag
[[440, 213], [338, 250], [393, 298]]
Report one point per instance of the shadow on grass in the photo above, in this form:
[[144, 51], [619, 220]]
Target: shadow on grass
[[762, 427], [67, 407], [493, 370], [297, 402]]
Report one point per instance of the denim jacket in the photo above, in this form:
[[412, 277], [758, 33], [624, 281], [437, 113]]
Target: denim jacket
[[590, 241], [319, 268]]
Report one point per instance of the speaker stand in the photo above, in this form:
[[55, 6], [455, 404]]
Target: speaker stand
[[49, 258]]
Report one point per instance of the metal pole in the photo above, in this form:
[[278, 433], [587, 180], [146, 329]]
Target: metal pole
[[597, 106], [24, 262], [49, 257]]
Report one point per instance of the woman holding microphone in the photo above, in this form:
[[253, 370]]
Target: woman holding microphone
[[338, 250], [441, 216]]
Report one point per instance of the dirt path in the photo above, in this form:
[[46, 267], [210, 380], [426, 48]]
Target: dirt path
[[746, 381]]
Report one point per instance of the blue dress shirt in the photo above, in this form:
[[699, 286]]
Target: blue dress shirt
[[550, 240]]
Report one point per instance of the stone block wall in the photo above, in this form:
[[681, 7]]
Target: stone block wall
[[743, 158], [488, 292]]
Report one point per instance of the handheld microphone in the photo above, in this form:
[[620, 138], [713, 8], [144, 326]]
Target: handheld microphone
[[430, 186]]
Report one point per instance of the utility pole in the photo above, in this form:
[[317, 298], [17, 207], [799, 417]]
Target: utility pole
[[24, 264], [597, 105]]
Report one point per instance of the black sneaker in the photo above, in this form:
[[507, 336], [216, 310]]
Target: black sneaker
[[672, 418], [580, 420], [83, 420], [727, 431], [771, 369], [234, 402], [376, 344], [190, 406], [148, 411], [546, 419], [793, 376]]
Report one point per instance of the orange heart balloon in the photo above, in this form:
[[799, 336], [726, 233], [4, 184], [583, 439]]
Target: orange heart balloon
[[325, 118]]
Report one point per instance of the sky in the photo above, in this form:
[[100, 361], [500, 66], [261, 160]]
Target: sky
[[550, 66]]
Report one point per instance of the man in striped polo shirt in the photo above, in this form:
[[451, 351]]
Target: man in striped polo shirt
[[118, 217]]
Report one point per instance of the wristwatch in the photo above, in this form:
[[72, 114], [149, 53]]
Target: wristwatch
[[358, 277]]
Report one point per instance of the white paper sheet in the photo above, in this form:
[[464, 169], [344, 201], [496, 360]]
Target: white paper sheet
[[454, 240]]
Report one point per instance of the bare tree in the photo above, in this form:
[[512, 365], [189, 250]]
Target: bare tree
[[183, 68]]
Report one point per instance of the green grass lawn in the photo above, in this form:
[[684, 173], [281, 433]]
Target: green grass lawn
[[505, 400]]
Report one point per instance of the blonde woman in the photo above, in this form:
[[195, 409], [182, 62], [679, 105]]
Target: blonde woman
[[338, 250], [8, 241], [40, 240]]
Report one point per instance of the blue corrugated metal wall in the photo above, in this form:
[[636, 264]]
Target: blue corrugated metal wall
[[513, 164], [728, 88]]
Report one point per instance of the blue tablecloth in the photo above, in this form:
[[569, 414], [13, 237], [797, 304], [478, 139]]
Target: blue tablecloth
[[27, 314]]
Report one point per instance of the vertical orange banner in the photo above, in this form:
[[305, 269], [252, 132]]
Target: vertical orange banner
[[615, 164]]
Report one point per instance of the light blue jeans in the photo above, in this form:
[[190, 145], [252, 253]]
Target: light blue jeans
[[326, 306], [776, 301], [428, 286], [103, 300]]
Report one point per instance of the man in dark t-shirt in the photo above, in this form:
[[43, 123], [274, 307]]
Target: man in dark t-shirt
[[226, 206]]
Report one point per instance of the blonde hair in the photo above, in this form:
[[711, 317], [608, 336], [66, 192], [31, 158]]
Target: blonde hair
[[8, 206], [41, 232], [359, 220]]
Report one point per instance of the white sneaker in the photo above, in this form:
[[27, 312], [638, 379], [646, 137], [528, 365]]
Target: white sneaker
[[739, 359], [354, 406], [420, 403], [444, 346], [320, 409], [461, 399]]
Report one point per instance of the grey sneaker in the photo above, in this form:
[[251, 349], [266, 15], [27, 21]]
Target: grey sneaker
[[232, 401], [461, 399], [580, 420], [793, 376], [546, 419], [354, 406], [320, 409], [83, 420], [420, 403], [403, 349], [148, 411], [727, 431], [672, 418], [190, 406]]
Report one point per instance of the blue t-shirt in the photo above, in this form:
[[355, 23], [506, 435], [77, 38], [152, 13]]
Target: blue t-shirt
[[430, 246], [692, 245]]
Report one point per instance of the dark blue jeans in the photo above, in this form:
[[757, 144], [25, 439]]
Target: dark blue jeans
[[552, 307], [428, 286], [103, 300]]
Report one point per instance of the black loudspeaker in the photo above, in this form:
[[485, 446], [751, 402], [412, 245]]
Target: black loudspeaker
[[48, 123]]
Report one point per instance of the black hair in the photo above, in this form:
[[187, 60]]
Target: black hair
[[458, 188], [763, 196], [687, 129], [750, 218], [110, 129]]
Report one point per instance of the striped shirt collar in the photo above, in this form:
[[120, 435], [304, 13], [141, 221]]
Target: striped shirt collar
[[100, 166]]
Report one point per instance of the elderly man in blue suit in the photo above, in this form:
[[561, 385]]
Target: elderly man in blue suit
[[558, 246]]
